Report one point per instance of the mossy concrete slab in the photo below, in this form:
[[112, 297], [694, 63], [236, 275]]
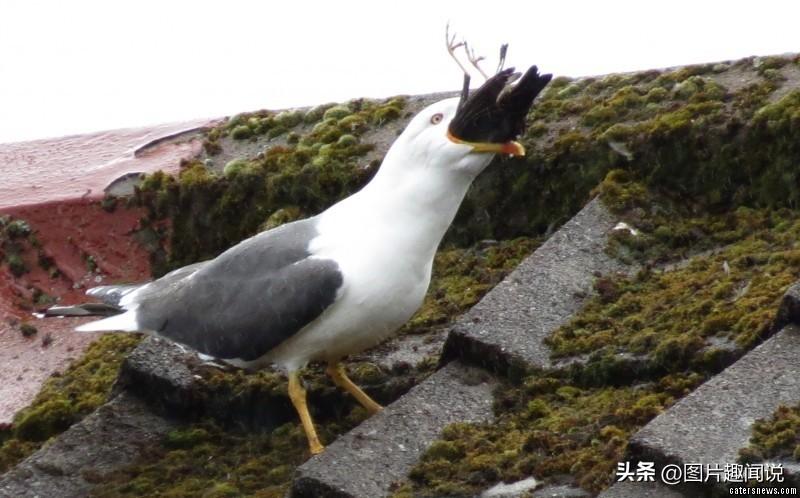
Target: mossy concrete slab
[[110, 438], [170, 379], [381, 451], [711, 425], [159, 372], [629, 489], [507, 327]]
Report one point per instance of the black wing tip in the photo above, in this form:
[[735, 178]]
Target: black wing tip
[[522, 95], [532, 75], [496, 111], [499, 79]]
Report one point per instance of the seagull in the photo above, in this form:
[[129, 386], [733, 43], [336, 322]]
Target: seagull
[[342, 281]]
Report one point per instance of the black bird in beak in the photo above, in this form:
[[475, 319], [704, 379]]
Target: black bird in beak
[[492, 117]]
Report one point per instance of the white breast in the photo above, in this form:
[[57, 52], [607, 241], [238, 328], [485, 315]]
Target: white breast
[[384, 284]]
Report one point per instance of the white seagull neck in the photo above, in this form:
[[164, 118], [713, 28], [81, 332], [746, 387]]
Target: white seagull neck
[[407, 209]]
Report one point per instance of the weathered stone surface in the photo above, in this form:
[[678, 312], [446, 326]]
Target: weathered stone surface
[[789, 311], [111, 437], [168, 378], [405, 351], [640, 490], [711, 424], [158, 371], [367, 460], [507, 327]]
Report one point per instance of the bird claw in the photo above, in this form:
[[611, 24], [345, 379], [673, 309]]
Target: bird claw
[[502, 61], [473, 59], [451, 44]]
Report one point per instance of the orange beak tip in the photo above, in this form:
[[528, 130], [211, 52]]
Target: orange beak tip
[[513, 148]]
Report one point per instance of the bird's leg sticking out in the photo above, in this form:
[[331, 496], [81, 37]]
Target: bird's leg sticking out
[[452, 46], [340, 378], [472, 57], [502, 61], [298, 396], [475, 60]]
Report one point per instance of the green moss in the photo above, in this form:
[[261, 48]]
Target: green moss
[[210, 213], [186, 438], [241, 132], [17, 242], [281, 216], [236, 167], [556, 431], [17, 228], [698, 89], [783, 113], [17, 265], [315, 113], [733, 293], [66, 398], [211, 147], [775, 438], [292, 138], [27, 329], [770, 63], [353, 123], [276, 131], [13, 450], [337, 112], [109, 203], [655, 95], [368, 374], [388, 112], [685, 131], [45, 419], [206, 460], [347, 140], [446, 450], [91, 263], [289, 119]]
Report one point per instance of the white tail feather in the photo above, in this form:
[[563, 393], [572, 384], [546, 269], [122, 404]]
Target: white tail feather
[[125, 322]]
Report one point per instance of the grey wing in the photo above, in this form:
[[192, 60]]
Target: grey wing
[[233, 317], [249, 299], [113, 294]]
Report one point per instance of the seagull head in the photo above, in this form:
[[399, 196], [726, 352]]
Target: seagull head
[[463, 134]]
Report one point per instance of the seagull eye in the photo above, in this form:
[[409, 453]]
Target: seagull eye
[[437, 118]]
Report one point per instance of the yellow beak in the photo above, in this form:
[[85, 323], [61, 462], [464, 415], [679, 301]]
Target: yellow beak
[[512, 148]]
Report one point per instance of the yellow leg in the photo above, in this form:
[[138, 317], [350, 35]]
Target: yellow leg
[[339, 376], [298, 396]]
